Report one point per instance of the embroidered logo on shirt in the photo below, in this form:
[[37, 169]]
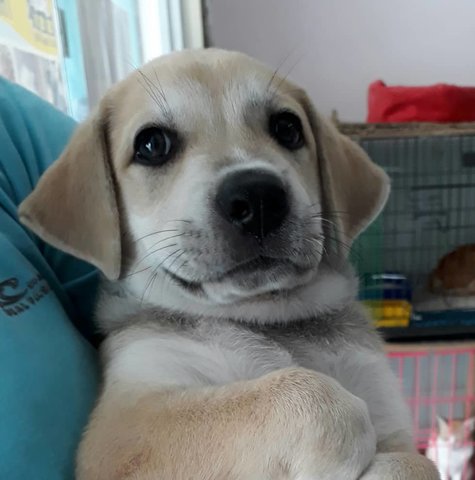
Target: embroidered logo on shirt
[[15, 300]]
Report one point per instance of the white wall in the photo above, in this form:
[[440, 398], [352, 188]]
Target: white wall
[[339, 46]]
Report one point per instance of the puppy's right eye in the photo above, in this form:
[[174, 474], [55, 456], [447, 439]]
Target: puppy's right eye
[[154, 146]]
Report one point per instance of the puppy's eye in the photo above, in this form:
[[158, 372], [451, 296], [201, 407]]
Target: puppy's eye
[[154, 146], [286, 128]]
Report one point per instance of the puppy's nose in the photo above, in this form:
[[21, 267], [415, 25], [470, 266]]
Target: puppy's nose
[[254, 201]]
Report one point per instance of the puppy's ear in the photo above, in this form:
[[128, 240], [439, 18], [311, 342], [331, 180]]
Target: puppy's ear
[[74, 205], [355, 189]]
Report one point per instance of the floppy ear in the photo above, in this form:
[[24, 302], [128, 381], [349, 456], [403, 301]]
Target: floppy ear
[[354, 189], [469, 424], [443, 427], [74, 205], [358, 187]]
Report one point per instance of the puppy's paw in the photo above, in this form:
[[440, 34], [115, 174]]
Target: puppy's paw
[[328, 431], [401, 466]]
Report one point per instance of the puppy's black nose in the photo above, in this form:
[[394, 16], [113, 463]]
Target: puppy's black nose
[[254, 201]]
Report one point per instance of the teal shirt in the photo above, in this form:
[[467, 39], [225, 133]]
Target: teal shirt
[[48, 367]]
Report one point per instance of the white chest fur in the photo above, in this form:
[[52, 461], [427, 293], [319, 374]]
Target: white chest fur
[[155, 358]]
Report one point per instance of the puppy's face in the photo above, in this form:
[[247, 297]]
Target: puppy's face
[[209, 191], [218, 181]]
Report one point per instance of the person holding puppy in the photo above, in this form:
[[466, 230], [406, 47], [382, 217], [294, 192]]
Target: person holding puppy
[[48, 364]]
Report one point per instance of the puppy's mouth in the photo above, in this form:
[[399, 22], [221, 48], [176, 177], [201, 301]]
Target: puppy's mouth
[[260, 264], [252, 278]]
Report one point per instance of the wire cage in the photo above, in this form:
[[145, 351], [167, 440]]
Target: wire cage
[[430, 212], [439, 386]]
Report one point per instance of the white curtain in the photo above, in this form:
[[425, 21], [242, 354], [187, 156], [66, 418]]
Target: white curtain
[[105, 39], [164, 26], [168, 25]]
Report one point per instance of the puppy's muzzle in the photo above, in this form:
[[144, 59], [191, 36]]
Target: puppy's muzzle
[[254, 201]]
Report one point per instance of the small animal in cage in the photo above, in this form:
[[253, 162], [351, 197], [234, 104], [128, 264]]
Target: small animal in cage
[[452, 448], [455, 273]]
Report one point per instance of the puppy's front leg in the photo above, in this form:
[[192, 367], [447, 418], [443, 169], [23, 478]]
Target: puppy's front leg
[[366, 373], [401, 466], [290, 424], [374, 382], [397, 459]]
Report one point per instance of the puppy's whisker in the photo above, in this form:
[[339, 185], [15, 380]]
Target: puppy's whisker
[[130, 62], [150, 282], [175, 259], [327, 217], [183, 264], [313, 205], [278, 69], [137, 272], [323, 220], [325, 211], [314, 223], [320, 217], [157, 94], [154, 274], [177, 270], [320, 243], [155, 233], [165, 239], [148, 87], [180, 220], [274, 76], [162, 95], [334, 212], [155, 251], [289, 71], [339, 242]]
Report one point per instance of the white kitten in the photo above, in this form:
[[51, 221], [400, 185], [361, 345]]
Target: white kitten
[[452, 449]]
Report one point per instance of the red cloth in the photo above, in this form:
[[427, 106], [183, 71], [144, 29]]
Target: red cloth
[[436, 103]]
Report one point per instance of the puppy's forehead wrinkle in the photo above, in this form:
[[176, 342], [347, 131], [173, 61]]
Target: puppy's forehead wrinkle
[[203, 92]]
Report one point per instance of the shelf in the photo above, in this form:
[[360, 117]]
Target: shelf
[[422, 334]]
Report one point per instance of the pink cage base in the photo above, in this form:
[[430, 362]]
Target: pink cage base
[[436, 397], [436, 381]]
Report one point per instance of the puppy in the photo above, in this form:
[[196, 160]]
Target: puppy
[[220, 206]]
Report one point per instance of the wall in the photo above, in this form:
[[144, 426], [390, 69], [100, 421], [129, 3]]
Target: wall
[[335, 48]]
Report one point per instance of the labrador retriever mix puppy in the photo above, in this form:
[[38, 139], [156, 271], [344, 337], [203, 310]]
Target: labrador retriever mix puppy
[[220, 206]]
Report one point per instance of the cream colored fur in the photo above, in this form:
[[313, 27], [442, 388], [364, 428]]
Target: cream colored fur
[[222, 385]]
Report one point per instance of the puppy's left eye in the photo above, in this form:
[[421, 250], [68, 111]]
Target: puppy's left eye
[[154, 146], [287, 129]]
